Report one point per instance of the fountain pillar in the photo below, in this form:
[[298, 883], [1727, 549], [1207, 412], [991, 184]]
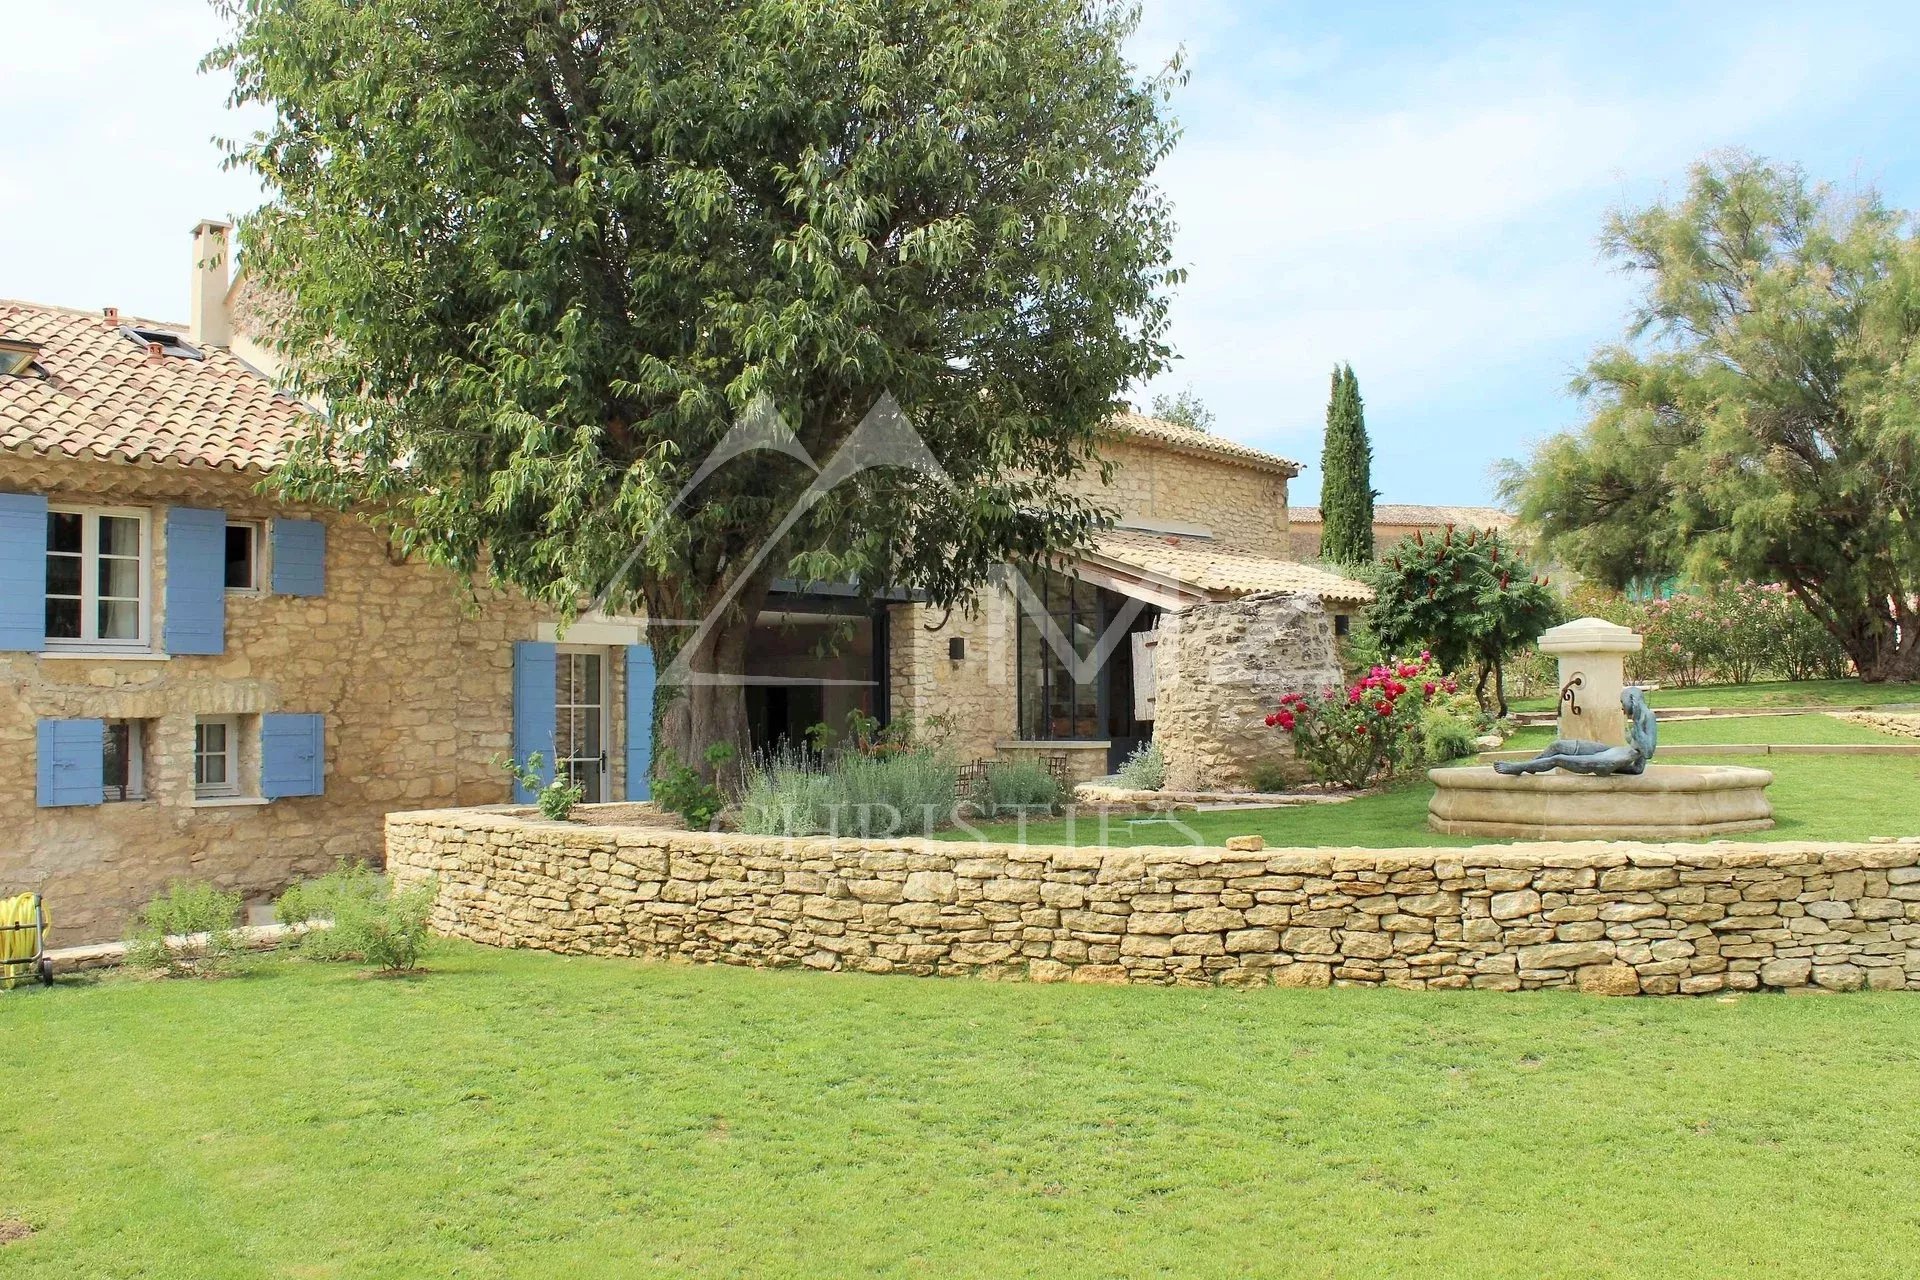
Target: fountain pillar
[[1592, 654]]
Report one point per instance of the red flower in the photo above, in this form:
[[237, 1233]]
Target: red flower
[[1428, 688], [1272, 721], [1286, 720], [1359, 731], [1383, 707]]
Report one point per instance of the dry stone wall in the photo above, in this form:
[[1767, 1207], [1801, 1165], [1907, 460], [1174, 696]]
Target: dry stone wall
[[1609, 918]]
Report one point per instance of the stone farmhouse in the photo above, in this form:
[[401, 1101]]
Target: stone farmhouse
[[198, 680], [1394, 521]]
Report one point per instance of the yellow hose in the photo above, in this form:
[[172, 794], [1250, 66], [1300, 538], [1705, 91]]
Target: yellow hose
[[17, 946]]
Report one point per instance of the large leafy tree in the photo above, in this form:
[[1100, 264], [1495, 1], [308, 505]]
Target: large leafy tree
[[1346, 476], [1466, 597], [542, 257], [1762, 419]]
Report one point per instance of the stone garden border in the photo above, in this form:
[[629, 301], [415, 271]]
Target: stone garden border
[[1617, 918], [1101, 793]]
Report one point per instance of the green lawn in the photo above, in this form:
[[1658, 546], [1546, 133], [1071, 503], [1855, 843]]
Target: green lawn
[[516, 1114], [1767, 693], [1814, 797]]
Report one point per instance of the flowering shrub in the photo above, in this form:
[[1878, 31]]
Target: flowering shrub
[[1682, 638], [1370, 729], [1803, 648], [1731, 633], [1468, 599]]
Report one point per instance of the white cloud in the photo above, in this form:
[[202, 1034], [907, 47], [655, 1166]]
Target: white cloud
[[1349, 189], [1434, 223], [115, 162]]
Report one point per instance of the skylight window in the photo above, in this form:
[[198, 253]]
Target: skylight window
[[170, 344], [17, 357]]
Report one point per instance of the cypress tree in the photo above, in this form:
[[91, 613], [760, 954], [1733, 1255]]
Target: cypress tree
[[1346, 476]]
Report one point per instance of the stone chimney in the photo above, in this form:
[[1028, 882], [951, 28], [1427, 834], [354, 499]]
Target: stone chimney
[[208, 324]]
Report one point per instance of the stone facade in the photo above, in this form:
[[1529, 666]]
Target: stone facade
[[414, 679], [976, 695], [1609, 918], [1221, 669], [1151, 482], [412, 676]]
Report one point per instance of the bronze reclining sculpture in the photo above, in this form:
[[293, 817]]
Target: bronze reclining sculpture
[[1597, 759]]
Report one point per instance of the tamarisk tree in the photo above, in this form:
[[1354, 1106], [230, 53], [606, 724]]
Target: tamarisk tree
[[541, 258], [1762, 422]]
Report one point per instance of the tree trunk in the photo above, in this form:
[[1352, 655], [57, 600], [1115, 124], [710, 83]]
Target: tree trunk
[[700, 701], [1480, 685], [1889, 659], [1883, 641], [1500, 686], [1884, 647]]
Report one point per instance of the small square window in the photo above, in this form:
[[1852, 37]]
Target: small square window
[[243, 556], [17, 358], [170, 344], [1342, 624], [216, 757], [123, 765]]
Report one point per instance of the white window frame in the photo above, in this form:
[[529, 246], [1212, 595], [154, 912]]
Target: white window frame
[[218, 790], [90, 581], [561, 653], [257, 531], [136, 761]]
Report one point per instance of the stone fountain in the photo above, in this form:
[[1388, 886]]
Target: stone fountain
[[1598, 781]]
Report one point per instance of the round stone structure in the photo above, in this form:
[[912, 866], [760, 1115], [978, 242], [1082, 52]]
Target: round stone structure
[[1667, 802]]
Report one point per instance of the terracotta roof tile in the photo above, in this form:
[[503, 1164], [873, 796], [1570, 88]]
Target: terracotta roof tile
[[1187, 440], [102, 396], [1221, 569]]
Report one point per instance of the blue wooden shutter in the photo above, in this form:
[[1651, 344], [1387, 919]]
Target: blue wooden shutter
[[292, 755], [299, 558], [196, 581], [71, 765], [640, 681], [533, 725], [23, 571]]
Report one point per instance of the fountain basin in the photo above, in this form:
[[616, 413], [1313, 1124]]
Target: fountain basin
[[1667, 802]]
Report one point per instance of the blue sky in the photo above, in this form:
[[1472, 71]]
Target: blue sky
[[1413, 188], [1417, 189]]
